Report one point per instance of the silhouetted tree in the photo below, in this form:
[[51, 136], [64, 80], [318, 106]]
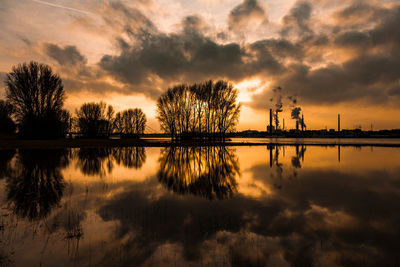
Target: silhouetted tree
[[130, 122], [7, 125], [37, 96], [118, 123], [37, 184], [205, 109], [110, 119], [95, 119]]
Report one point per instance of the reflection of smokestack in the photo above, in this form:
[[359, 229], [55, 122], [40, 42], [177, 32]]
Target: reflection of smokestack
[[302, 122], [270, 120], [338, 122], [338, 149], [270, 156]]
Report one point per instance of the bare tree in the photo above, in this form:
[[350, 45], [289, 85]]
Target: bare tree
[[206, 109], [95, 119], [131, 122], [118, 123], [37, 96]]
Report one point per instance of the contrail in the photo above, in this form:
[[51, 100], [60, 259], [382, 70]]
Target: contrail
[[64, 7]]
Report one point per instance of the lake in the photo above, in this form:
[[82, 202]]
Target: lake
[[285, 205]]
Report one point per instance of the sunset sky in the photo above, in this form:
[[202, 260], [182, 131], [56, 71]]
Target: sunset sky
[[334, 56]]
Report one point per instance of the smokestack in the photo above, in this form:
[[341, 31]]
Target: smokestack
[[283, 127], [297, 125], [276, 120], [302, 122], [270, 120], [338, 122]]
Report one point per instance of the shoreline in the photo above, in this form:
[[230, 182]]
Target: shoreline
[[77, 143]]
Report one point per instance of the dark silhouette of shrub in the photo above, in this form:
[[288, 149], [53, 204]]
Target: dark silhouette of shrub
[[37, 96]]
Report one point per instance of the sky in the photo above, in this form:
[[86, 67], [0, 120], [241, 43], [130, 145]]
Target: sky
[[332, 56]]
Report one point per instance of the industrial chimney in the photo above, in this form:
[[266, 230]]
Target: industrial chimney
[[302, 122], [338, 122], [270, 121]]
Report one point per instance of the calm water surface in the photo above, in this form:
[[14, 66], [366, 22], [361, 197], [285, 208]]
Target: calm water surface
[[210, 206]]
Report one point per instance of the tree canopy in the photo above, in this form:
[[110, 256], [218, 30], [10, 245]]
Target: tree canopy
[[130, 122], [37, 96], [205, 109]]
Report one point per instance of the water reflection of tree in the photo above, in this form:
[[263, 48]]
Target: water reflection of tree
[[5, 162], [37, 184], [209, 172], [130, 157], [95, 161], [99, 161]]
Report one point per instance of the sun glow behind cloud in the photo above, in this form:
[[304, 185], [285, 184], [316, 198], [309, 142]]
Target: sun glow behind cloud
[[249, 88]]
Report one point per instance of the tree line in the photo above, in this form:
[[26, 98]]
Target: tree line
[[100, 120], [34, 107]]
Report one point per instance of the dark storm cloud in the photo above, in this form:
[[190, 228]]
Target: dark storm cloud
[[147, 60], [359, 14], [78, 76], [395, 91], [245, 12], [370, 73], [128, 20], [64, 55], [280, 47], [298, 19], [187, 56]]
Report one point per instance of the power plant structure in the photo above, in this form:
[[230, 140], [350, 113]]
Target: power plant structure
[[274, 128], [270, 127], [273, 115]]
